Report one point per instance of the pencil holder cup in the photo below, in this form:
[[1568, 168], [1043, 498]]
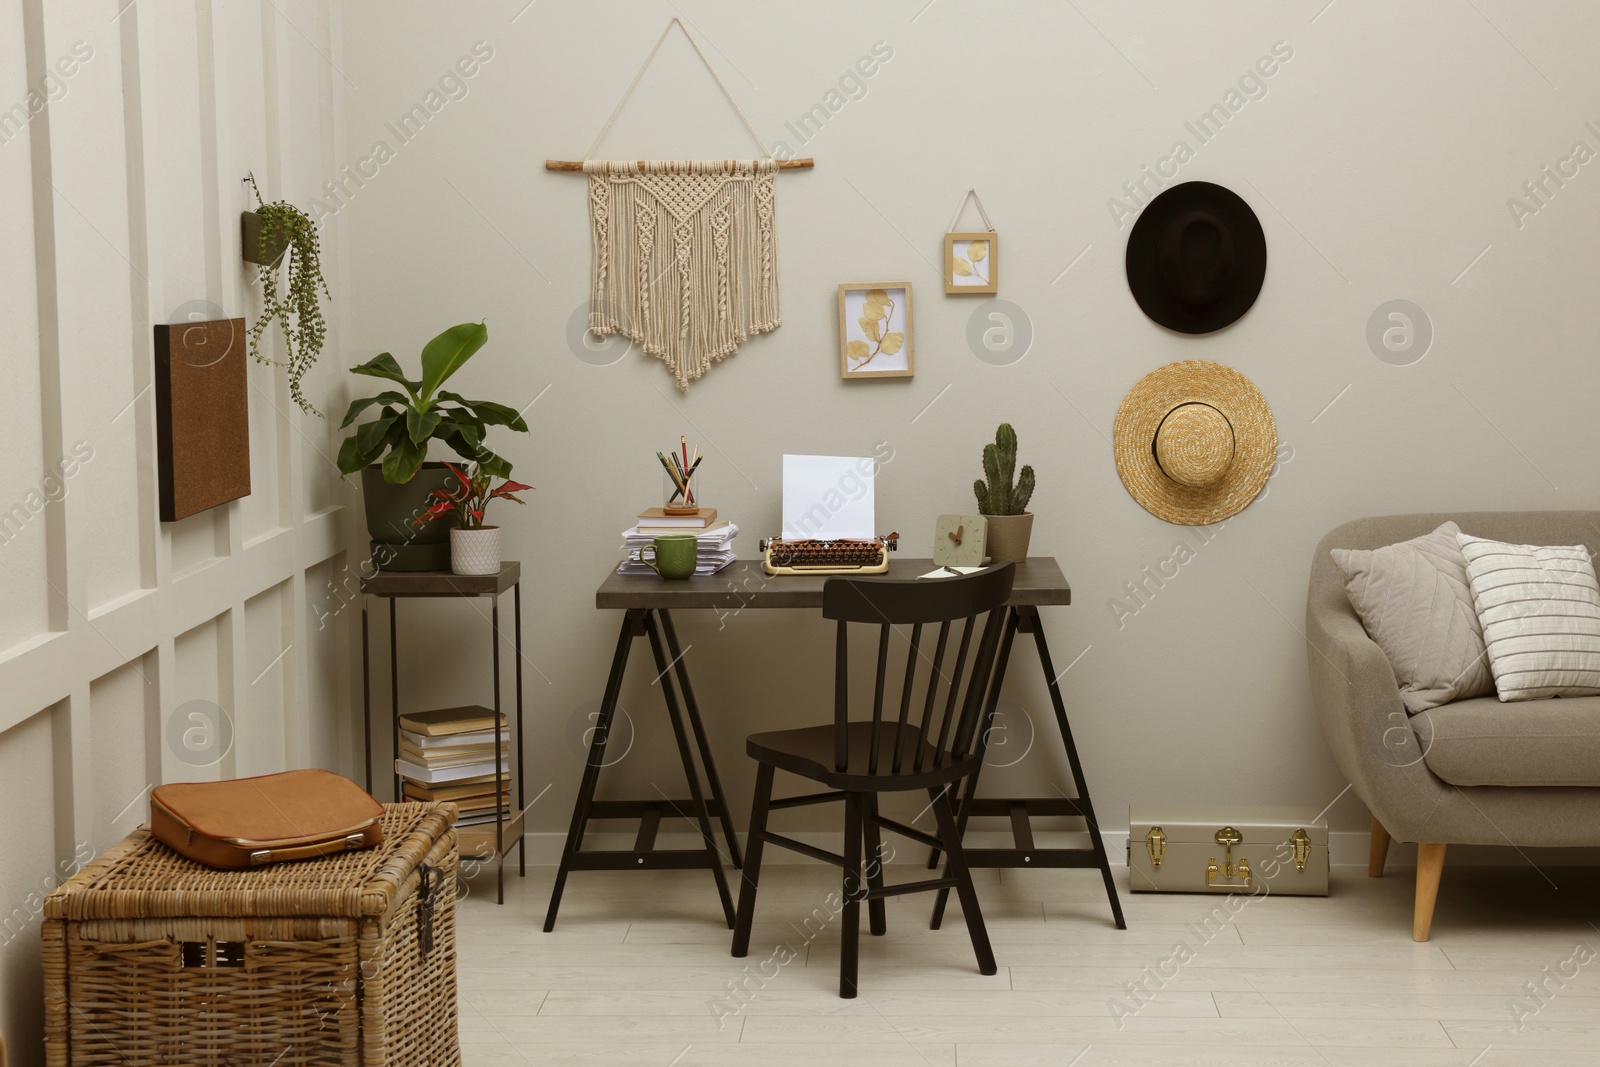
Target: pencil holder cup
[[673, 501]]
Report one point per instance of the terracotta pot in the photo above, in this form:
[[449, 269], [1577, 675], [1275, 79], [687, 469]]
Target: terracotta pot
[[475, 551], [1007, 537]]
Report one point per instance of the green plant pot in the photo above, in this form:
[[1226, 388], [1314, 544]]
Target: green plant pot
[[1007, 536], [398, 544]]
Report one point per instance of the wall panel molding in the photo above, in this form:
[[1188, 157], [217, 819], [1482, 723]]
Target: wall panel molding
[[93, 690]]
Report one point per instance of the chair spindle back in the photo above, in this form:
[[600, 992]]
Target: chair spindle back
[[893, 605]]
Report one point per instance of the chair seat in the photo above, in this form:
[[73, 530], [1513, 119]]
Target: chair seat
[[1524, 743], [809, 751]]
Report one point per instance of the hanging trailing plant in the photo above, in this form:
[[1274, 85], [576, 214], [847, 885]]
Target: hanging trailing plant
[[287, 234]]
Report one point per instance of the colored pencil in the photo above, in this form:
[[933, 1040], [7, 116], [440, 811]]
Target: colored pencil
[[689, 475], [683, 480], [670, 473]]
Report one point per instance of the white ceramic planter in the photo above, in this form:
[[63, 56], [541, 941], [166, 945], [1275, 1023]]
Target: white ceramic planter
[[475, 551]]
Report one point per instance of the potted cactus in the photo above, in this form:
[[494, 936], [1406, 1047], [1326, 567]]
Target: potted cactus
[[1002, 503]]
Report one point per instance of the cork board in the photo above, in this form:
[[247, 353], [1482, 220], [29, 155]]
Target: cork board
[[202, 416]]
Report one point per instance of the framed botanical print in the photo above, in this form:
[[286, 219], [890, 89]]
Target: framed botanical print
[[971, 262], [875, 330]]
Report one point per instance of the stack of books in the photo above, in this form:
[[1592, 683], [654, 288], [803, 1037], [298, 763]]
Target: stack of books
[[715, 537], [449, 755]]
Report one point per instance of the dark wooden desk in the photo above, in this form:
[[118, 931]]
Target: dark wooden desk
[[743, 584], [647, 602]]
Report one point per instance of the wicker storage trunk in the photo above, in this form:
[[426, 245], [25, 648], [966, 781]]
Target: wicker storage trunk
[[152, 960]]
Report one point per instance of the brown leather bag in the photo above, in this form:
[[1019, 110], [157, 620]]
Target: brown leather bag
[[247, 822]]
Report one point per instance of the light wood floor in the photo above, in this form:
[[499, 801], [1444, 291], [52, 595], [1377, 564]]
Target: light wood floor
[[638, 972]]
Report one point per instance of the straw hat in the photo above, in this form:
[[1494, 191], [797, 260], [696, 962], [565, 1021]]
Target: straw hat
[[1194, 442]]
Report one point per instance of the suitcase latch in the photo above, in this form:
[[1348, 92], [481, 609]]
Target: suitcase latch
[[1155, 843], [1302, 848], [1223, 876]]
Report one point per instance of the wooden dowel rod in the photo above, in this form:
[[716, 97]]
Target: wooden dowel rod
[[574, 164]]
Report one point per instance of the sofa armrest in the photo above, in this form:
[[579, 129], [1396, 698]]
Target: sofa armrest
[[1363, 718]]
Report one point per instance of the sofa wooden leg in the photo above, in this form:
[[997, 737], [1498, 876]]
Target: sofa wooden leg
[[1430, 865], [1379, 851]]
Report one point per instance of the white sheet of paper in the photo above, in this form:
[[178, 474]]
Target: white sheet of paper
[[944, 572], [828, 497]]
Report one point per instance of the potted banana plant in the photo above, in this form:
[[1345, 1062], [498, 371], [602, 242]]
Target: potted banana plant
[[1003, 504], [474, 546], [391, 451]]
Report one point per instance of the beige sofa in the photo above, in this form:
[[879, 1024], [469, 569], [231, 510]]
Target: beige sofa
[[1475, 772]]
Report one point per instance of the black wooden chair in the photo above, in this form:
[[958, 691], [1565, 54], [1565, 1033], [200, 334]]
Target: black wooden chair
[[856, 761]]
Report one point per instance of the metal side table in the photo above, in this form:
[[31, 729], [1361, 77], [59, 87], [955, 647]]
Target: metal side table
[[484, 841]]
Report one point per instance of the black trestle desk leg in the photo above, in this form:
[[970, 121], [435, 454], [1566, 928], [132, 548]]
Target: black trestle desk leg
[[692, 708], [1085, 805], [696, 797], [632, 622]]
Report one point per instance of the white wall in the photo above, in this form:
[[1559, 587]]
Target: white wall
[[124, 192], [1379, 161]]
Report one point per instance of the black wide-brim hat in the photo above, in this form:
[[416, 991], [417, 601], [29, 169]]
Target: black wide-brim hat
[[1196, 258]]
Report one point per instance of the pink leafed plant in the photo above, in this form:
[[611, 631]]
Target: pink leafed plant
[[469, 498]]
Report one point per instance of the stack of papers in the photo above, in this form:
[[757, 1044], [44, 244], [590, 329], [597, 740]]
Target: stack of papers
[[714, 551]]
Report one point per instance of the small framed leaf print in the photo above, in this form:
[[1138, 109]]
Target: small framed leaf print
[[971, 262], [875, 330]]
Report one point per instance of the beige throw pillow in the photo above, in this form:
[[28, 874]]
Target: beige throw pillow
[[1414, 600], [1540, 611]]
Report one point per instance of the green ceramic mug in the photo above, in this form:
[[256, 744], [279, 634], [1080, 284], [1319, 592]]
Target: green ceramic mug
[[674, 555]]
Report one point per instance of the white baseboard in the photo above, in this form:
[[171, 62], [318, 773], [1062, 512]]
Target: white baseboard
[[1346, 848]]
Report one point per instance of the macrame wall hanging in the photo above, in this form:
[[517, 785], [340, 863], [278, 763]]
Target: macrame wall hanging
[[685, 251]]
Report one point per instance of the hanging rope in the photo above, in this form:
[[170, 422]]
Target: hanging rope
[[765, 151], [972, 194]]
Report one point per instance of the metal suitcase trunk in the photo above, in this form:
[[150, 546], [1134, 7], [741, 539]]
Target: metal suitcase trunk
[[1212, 848]]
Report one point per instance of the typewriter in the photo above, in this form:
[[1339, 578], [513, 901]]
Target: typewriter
[[781, 556]]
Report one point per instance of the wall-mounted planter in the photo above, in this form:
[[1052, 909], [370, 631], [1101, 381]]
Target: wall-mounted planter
[[250, 241]]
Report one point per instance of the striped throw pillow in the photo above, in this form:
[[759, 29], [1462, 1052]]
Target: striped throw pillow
[[1540, 611]]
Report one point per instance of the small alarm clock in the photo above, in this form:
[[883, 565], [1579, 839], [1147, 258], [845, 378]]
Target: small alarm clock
[[958, 540]]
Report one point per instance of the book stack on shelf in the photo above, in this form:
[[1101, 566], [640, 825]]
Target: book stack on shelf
[[448, 755], [715, 537]]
